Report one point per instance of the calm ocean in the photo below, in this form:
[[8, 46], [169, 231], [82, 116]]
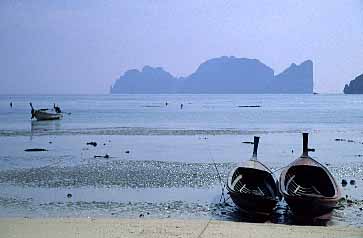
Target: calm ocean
[[161, 157]]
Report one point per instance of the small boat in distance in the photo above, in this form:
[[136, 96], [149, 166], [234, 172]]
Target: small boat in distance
[[253, 188], [46, 114], [308, 187]]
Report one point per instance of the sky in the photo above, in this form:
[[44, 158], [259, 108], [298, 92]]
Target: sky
[[82, 47]]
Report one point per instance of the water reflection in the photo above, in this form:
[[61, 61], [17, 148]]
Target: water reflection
[[40, 127]]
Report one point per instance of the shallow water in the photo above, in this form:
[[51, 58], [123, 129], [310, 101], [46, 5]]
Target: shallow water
[[170, 170]]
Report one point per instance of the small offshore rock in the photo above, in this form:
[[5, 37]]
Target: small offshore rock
[[352, 182], [93, 143], [249, 106], [344, 182], [35, 150]]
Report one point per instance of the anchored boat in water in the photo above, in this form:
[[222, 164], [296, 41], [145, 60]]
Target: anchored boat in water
[[252, 187], [46, 114], [308, 187]]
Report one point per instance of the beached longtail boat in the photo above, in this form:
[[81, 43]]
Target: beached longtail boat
[[45, 114], [252, 187], [308, 187]]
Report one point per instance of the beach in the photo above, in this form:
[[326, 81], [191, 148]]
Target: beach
[[128, 228], [167, 166]]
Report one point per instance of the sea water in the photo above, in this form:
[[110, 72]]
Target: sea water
[[163, 160]]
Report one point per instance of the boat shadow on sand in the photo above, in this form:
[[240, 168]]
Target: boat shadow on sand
[[280, 215]]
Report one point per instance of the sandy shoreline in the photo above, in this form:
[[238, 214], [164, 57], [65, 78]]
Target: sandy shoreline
[[92, 228]]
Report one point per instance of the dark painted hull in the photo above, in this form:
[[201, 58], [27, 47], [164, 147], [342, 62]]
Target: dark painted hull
[[309, 205], [253, 189], [253, 206]]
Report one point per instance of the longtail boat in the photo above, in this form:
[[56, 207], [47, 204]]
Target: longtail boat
[[308, 187], [46, 114], [252, 187]]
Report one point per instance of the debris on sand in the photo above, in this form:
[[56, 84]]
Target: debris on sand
[[106, 156], [35, 150], [344, 182], [92, 143], [347, 140]]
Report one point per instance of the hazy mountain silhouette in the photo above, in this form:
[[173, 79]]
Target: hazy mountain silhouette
[[355, 86], [295, 79], [220, 75]]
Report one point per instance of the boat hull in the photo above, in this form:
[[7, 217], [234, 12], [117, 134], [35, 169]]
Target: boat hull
[[255, 194], [311, 207], [309, 189], [46, 116], [253, 206]]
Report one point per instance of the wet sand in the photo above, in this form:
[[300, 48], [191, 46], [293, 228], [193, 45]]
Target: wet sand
[[92, 228]]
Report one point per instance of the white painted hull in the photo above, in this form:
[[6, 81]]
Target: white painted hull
[[43, 115]]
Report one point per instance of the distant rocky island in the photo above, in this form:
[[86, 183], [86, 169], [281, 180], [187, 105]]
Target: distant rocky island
[[355, 86], [220, 75]]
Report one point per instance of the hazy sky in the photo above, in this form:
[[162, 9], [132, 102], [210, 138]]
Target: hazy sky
[[71, 46]]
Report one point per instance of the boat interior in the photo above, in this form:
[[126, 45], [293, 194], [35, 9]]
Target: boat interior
[[255, 182], [304, 180]]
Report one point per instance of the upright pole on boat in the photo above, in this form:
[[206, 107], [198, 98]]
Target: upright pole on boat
[[32, 111], [256, 139], [305, 144]]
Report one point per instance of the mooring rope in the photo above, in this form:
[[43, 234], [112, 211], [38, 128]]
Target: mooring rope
[[223, 185]]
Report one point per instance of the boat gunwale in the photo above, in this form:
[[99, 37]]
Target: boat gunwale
[[315, 163]]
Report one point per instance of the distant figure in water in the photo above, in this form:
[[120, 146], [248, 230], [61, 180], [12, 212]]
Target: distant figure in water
[[181, 106], [56, 108], [166, 103], [11, 104]]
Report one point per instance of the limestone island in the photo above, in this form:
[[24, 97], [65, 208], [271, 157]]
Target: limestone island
[[220, 75], [355, 86]]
